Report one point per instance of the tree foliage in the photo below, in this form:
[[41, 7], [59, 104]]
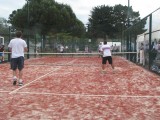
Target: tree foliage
[[108, 20], [47, 16], [3, 26]]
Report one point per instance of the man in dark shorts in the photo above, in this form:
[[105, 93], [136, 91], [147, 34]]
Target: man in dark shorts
[[2, 52], [17, 47], [107, 56]]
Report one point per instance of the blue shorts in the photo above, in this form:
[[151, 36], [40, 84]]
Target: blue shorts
[[1, 54], [17, 63]]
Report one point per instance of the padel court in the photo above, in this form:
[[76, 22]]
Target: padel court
[[73, 88]]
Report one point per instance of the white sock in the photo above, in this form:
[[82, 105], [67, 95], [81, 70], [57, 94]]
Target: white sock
[[14, 78], [20, 80]]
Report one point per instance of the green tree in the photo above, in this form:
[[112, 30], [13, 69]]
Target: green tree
[[46, 16], [3, 26], [108, 20]]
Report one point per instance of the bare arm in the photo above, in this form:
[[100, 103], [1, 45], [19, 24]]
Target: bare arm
[[25, 49]]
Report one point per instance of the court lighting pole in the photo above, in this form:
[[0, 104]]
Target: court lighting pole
[[128, 15], [9, 55], [28, 28], [128, 22], [121, 33]]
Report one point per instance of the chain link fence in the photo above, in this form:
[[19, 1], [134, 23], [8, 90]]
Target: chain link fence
[[143, 38]]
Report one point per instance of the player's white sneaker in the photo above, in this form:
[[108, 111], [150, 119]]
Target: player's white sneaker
[[20, 83]]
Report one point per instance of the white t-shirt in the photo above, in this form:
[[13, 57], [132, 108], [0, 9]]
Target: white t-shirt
[[61, 48], [17, 45], [106, 50]]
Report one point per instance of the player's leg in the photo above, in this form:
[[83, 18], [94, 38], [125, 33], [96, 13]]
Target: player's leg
[[2, 56], [20, 77], [110, 61], [14, 67], [103, 64], [14, 77], [20, 68]]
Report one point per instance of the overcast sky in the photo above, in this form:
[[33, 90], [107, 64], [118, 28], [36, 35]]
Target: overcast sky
[[82, 8]]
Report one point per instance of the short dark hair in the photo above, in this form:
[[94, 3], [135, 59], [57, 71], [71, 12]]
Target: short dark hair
[[105, 42], [18, 34]]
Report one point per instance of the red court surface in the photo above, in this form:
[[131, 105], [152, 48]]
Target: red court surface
[[75, 89]]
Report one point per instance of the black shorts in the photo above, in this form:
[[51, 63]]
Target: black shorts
[[17, 63], [105, 59]]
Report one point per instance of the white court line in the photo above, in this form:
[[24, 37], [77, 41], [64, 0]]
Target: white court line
[[14, 91], [5, 91], [88, 95], [81, 65]]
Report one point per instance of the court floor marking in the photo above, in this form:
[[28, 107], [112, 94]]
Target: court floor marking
[[14, 91], [76, 65], [91, 95], [5, 91]]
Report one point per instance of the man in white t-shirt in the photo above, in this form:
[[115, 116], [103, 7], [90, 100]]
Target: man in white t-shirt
[[17, 47], [61, 49], [107, 56]]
